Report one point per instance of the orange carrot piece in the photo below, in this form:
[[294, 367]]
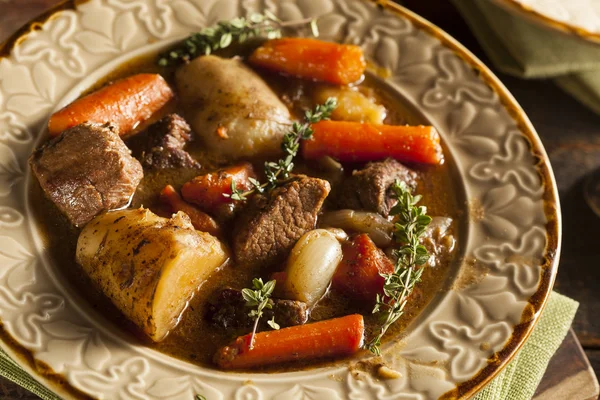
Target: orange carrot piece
[[201, 221], [340, 64], [124, 103], [208, 190], [324, 339], [357, 275], [279, 276], [360, 142]]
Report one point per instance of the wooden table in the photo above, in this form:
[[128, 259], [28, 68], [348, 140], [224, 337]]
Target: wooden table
[[571, 135]]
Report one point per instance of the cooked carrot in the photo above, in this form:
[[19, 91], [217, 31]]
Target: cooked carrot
[[324, 339], [201, 221], [358, 274], [340, 64], [208, 190], [279, 277], [355, 141], [124, 103]]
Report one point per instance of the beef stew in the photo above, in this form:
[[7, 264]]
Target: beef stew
[[216, 122]]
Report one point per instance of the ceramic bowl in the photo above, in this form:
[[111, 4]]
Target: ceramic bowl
[[511, 218]]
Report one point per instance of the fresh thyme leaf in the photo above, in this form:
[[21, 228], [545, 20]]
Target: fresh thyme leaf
[[226, 40], [224, 33], [256, 184], [314, 27], [278, 172], [250, 297], [200, 397], [268, 288], [273, 324], [237, 194], [411, 222], [258, 297]]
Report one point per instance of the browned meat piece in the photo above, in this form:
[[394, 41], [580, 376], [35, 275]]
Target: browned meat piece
[[271, 224], [289, 312], [368, 188], [86, 170], [439, 240], [161, 146], [228, 310]]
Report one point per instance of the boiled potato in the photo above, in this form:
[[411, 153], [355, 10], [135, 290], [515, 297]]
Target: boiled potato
[[311, 265], [147, 265], [231, 107], [353, 105]]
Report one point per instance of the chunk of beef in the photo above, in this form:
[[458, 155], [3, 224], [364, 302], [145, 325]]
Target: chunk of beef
[[271, 224], [86, 170], [161, 146], [438, 240], [228, 310], [369, 188]]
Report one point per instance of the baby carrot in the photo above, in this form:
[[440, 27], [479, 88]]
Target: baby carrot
[[359, 272], [201, 221], [330, 338], [207, 190], [355, 141], [124, 103], [335, 63]]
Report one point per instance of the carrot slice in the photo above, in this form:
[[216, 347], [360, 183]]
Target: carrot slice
[[208, 190], [201, 221], [330, 338], [360, 142], [279, 277], [335, 63], [358, 274], [125, 103]]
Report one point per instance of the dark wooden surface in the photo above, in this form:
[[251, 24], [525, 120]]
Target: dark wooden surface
[[571, 135], [569, 375]]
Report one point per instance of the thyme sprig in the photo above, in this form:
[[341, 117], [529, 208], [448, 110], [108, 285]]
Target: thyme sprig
[[224, 33], [259, 298], [409, 227], [277, 172]]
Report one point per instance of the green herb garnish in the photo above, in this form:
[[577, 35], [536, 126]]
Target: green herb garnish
[[278, 172], [224, 33], [409, 227], [259, 298]]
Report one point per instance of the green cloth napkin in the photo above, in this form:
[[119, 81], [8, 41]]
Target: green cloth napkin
[[520, 378], [517, 381], [523, 49]]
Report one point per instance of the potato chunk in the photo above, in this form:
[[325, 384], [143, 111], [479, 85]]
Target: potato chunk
[[353, 105], [147, 265], [231, 107]]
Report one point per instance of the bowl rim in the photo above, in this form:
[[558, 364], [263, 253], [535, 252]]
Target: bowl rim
[[552, 209], [565, 28]]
